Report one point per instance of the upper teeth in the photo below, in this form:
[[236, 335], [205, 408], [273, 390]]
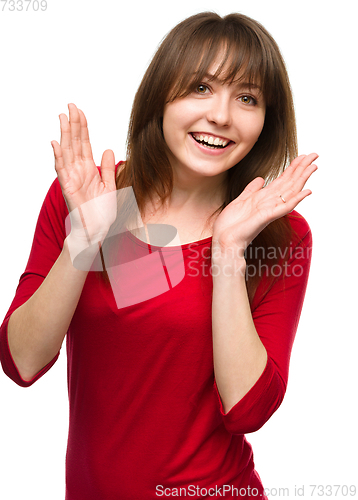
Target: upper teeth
[[210, 140]]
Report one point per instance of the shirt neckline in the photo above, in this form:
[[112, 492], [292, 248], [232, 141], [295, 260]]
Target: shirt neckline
[[168, 248]]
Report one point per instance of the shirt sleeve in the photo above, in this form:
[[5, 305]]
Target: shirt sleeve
[[276, 313], [47, 245], [46, 248]]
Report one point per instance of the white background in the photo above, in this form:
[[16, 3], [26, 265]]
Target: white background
[[94, 53]]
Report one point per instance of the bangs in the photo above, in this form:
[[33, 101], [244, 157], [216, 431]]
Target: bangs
[[238, 56]]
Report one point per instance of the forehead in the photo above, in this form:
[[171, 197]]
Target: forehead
[[230, 65], [221, 64]]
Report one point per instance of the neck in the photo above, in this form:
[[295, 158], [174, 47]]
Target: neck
[[196, 192]]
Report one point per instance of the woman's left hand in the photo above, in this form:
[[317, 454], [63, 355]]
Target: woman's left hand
[[246, 216]]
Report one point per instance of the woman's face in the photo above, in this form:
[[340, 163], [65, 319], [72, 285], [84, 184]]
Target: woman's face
[[213, 128]]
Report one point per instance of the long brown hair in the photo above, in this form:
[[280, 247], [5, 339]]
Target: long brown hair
[[179, 65]]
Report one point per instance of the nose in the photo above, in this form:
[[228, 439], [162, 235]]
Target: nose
[[219, 111]]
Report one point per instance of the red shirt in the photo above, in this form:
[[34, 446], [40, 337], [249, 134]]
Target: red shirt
[[145, 415]]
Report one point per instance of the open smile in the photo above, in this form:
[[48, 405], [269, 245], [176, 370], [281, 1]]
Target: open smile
[[210, 144], [210, 141]]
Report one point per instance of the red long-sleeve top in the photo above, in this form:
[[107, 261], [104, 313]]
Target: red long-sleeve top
[[146, 420]]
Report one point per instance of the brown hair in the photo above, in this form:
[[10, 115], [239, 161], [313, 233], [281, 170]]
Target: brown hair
[[179, 65]]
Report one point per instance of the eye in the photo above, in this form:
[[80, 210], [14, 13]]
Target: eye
[[202, 89], [248, 99]]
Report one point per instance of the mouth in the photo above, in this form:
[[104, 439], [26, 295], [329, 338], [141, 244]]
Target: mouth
[[210, 141]]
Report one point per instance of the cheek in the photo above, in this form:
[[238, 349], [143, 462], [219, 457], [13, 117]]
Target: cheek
[[178, 116], [171, 121], [174, 127], [168, 128], [254, 127]]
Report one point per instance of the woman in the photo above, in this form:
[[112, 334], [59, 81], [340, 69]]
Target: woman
[[163, 390]]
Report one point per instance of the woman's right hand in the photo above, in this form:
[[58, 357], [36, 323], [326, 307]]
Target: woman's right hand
[[82, 186]]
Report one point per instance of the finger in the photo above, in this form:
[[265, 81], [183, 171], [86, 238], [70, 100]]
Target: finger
[[108, 168], [292, 181], [282, 208], [296, 162], [253, 186], [294, 201], [292, 166], [298, 183], [59, 163], [75, 126], [65, 141], [85, 141], [304, 164]]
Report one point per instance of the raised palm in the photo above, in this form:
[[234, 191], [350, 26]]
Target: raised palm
[[245, 217], [82, 185]]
